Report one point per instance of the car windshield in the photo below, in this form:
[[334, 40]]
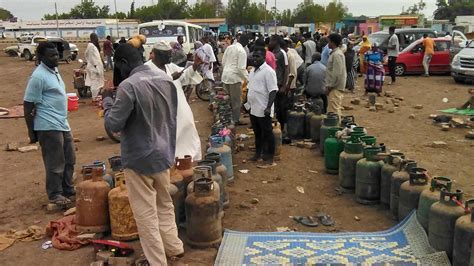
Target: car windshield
[[470, 45], [378, 38], [410, 47], [168, 31]]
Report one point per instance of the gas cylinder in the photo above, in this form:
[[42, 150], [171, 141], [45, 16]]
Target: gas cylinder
[[331, 120], [464, 236], [115, 163], [357, 132], [178, 181], [368, 169], [307, 123], [318, 103], [353, 152], [333, 147], [217, 145], [203, 211], [278, 140], [369, 140], [315, 124], [442, 220], [222, 171], [429, 196], [410, 192], [295, 126], [216, 177], [185, 167], [92, 212], [388, 169], [347, 120], [122, 223], [397, 180]]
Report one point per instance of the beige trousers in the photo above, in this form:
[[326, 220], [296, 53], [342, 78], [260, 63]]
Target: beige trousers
[[153, 210], [335, 101], [235, 93]]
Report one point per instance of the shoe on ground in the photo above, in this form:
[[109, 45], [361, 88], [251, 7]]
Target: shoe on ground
[[426, 75], [266, 165], [254, 158]]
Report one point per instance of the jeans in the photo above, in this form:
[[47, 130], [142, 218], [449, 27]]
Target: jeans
[[235, 92], [392, 61], [109, 63], [264, 138], [59, 158], [426, 63]]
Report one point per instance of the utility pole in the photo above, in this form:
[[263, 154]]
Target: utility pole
[[116, 19], [57, 21], [265, 19], [274, 17]]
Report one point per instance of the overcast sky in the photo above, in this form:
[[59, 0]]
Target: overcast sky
[[35, 9]]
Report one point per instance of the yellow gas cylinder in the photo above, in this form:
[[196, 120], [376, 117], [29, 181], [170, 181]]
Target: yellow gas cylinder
[[122, 223]]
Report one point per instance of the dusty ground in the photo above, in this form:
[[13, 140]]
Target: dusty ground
[[23, 198]]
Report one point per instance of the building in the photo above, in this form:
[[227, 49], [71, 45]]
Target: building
[[401, 21], [72, 28], [465, 23]]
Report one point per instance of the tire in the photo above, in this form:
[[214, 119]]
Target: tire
[[68, 60], [112, 136], [28, 56], [458, 80], [400, 69], [73, 56], [202, 92]]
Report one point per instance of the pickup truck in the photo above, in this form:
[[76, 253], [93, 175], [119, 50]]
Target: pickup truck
[[462, 66], [67, 51]]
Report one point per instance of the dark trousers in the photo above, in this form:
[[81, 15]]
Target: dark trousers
[[392, 61], [59, 158], [324, 97], [281, 109], [264, 138]]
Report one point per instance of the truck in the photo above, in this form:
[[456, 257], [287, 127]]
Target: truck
[[67, 51], [462, 66]]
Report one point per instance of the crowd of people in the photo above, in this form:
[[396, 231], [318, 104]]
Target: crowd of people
[[150, 108]]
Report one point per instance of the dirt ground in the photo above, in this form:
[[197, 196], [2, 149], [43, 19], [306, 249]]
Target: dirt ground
[[23, 198]]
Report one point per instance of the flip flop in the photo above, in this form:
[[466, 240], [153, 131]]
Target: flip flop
[[325, 219], [305, 220], [61, 201], [266, 166]]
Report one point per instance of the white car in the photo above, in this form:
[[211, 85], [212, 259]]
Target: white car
[[25, 37], [462, 66]]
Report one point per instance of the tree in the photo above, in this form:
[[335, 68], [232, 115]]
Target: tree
[[164, 9], [335, 11], [242, 12], [5, 14], [453, 9], [202, 10], [86, 10], [415, 9], [307, 12]]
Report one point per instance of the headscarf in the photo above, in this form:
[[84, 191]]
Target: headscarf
[[366, 43], [197, 45]]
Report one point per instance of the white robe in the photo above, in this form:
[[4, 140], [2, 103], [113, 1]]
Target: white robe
[[94, 69], [187, 137]]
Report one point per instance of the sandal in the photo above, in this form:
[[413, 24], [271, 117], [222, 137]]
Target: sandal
[[325, 219], [61, 201], [305, 220], [175, 257], [266, 165]]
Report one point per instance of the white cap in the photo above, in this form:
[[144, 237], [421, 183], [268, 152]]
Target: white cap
[[162, 46]]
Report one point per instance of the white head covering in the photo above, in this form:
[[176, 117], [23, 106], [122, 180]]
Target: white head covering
[[162, 46]]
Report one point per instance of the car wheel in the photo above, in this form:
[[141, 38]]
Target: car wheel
[[400, 69], [28, 56], [73, 56]]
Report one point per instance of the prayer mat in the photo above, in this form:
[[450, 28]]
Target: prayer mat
[[458, 112], [404, 244]]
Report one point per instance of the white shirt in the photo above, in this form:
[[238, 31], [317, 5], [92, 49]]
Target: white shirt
[[262, 81], [235, 64], [206, 68], [393, 41], [187, 137], [310, 49], [285, 56]]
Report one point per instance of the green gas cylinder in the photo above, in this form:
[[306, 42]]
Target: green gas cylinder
[[398, 177], [331, 120], [410, 192], [333, 147], [368, 170], [353, 152], [429, 197], [388, 169], [464, 236], [315, 124]]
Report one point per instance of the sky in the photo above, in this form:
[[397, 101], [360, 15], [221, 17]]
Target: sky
[[35, 9]]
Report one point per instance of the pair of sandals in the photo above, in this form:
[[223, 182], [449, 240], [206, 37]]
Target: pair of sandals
[[63, 201], [312, 221]]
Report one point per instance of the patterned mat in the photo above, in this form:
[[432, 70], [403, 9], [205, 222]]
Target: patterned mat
[[404, 244]]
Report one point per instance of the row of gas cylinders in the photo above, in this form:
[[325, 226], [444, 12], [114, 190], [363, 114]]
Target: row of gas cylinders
[[388, 178]]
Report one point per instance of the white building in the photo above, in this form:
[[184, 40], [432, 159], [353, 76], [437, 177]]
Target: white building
[[465, 21]]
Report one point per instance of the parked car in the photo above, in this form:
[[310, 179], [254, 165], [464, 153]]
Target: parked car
[[410, 60], [458, 42], [405, 37], [25, 37], [462, 66], [67, 51], [11, 50]]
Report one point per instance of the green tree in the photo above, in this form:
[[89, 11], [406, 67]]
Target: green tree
[[453, 9], [285, 17], [202, 10], [5, 14], [308, 12], [164, 9], [335, 11], [243, 12], [415, 9]]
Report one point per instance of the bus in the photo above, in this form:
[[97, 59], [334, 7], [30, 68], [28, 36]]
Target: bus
[[169, 30]]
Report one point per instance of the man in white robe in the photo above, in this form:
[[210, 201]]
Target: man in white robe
[[187, 137], [95, 66]]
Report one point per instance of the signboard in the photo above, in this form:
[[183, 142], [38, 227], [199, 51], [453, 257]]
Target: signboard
[[45, 24]]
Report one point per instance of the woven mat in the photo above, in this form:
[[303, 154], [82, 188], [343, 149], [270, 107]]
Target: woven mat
[[458, 112], [404, 244]]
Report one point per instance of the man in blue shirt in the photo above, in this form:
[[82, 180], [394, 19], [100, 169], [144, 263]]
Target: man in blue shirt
[[45, 106], [325, 55]]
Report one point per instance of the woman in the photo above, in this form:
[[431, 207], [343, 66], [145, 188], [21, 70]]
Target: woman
[[364, 48], [375, 70], [351, 74], [95, 66]]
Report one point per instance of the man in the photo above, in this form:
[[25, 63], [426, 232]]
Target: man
[[294, 63], [309, 48], [108, 52], [262, 89], [234, 74], [281, 101], [178, 55], [144, 112], [45, 107], [428, 47], [325, 55], [207, 54], [392, 52], [335, 74], [314, 81], [187, 137]]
